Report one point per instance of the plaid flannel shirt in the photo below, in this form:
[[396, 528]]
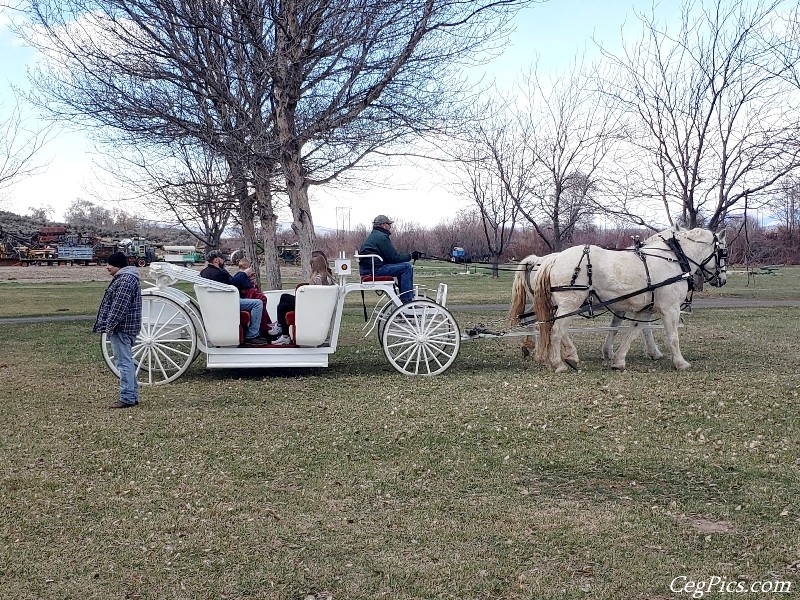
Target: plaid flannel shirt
[[121, 307]]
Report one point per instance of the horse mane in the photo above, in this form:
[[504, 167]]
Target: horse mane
[[545, 310], [519, 290]]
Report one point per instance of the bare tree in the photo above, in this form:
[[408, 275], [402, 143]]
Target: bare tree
[[41, 213], [710, 109], [494, 175], [18, 147], [188, 185], [82, 213], [156, 73], [568, 133], [786, 205]]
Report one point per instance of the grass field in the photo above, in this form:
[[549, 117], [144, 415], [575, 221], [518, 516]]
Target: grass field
[[496, 480]]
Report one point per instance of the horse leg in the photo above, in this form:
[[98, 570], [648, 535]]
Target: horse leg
[[624, 346], [650, 345], [557, 335], [529, 346], [569, 352], [670, 320], [608, 345]]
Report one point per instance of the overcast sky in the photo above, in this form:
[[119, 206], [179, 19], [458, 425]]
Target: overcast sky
[[555, 31]]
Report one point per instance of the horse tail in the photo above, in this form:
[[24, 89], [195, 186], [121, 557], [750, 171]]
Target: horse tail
[[545, 310], [519, 290]]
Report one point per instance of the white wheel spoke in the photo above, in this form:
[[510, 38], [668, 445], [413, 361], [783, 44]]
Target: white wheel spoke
[[421, 338]]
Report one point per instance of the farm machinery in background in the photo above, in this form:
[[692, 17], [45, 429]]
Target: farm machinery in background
[[54, 245], [183, 255]]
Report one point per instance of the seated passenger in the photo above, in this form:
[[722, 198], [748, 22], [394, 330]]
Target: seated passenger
[[245, 280], [321, 274], [391, 263], [216, 272]]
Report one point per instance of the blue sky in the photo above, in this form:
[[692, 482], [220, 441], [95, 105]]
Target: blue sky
[[555, 31]]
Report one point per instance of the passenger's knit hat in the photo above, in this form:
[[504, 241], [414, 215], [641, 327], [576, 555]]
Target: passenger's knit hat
[[381, 219], [118, 259], [215, 254]]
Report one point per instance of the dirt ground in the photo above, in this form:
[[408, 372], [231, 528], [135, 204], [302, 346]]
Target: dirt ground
[[54, 273], [75, 273]]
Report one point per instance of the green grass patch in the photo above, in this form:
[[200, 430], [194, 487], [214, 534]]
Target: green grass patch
[[496, 480]]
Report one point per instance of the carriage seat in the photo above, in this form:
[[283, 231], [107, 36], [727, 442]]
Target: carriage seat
[[310, 321], [372, 278], [224, 321]]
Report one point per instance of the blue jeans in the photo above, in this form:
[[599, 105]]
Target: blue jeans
[[256, 309], [122, 345], [404, 272]]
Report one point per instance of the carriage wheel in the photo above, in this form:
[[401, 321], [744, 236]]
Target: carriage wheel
[[165, 346], [298, 261], [141, 262], [421, 338]]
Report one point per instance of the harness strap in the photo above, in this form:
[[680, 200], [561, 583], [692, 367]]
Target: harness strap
[[590, 307], [683, 260], [577, 270], [643, 258]]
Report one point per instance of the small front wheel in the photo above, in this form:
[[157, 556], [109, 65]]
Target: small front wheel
[[421, 338], [165, 346]]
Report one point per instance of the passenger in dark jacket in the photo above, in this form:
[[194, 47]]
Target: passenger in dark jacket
[[391, 262], [120, 318], [216, 271]]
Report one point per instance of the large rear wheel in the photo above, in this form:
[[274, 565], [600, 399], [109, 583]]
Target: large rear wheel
[[421, 338], [165, 346]]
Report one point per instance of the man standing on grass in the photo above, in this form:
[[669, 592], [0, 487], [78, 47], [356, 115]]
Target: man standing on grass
[[120, 318]]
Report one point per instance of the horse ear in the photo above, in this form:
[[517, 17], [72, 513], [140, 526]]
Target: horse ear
[[721, 235]]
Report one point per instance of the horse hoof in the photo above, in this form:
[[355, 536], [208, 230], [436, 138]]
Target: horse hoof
[[684, 366], [562, 369], [658, 356], [618, 366], [525, 352], [572, 364]]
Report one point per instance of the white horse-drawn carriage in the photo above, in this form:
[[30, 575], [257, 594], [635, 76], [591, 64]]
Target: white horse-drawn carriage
[[422, 337], [418, 338]]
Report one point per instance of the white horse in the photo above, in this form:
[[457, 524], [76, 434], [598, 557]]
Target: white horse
[[653, 280], [522, 288]]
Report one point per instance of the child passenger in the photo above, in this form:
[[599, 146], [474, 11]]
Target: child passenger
[[321, 274]]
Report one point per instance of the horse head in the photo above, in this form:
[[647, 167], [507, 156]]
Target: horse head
[[711, 254]]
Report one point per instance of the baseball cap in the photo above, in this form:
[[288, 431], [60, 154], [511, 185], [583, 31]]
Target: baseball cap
[[381, 219], [215, 254]]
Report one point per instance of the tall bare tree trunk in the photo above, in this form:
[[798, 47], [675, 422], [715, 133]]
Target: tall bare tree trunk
[[302, 223], [262, 177]]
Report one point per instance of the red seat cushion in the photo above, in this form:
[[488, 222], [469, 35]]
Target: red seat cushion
[[290, 317], [244, 323], [368, 278]]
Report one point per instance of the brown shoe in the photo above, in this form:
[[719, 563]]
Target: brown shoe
[[120, 404]]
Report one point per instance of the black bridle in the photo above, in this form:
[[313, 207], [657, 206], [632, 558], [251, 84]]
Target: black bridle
[[719, 255]]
